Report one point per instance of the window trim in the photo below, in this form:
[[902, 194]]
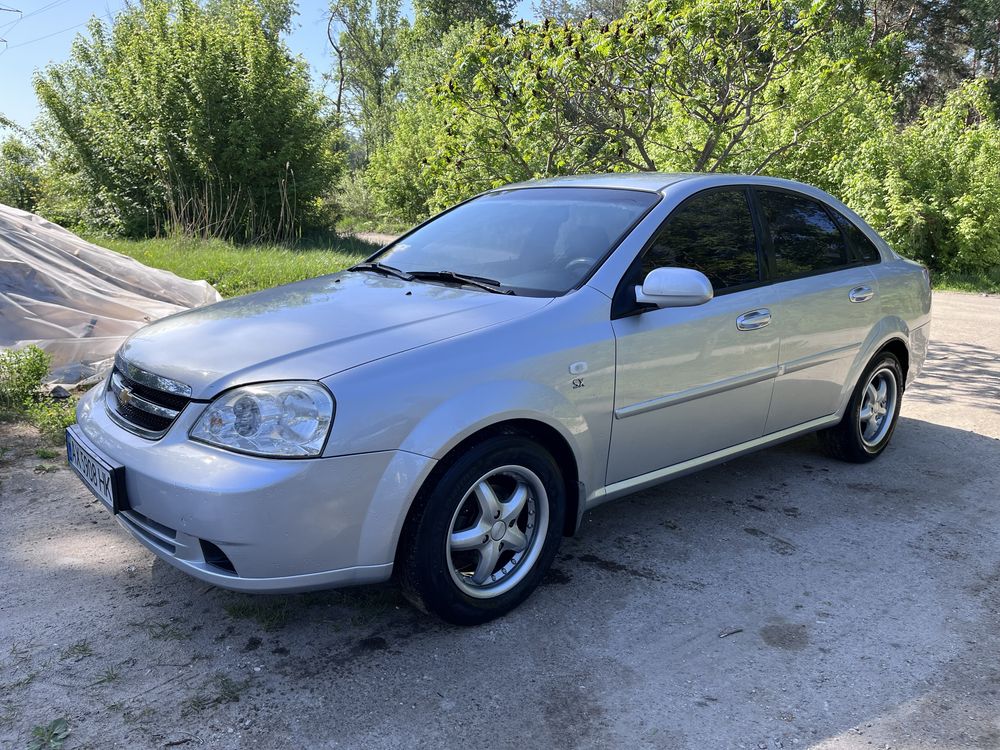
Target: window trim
[[624, 305]]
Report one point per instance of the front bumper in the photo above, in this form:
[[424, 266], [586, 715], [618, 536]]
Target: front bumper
[[284, 525]]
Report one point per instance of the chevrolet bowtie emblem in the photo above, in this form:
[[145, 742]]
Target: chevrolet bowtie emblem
[[124, 396]]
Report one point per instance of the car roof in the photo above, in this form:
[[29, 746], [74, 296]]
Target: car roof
[[657, 182]]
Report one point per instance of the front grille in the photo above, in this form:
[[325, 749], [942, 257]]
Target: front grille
[[139, 407]]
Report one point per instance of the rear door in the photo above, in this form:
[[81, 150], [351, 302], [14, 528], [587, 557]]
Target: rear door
[[824, 302], [694, 380]]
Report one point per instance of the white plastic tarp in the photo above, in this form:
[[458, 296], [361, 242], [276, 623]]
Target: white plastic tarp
[[78, 301]]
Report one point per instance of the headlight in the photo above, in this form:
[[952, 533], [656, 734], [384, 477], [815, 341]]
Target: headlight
[[271, 419]]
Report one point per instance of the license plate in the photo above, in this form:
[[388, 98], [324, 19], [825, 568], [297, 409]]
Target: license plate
[[103, 479]]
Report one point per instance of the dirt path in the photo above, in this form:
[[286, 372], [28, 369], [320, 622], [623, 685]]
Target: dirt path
[[859, 606]]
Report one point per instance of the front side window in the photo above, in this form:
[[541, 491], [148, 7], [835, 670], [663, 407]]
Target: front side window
[[804, 237], [711, 232], [541, 241]]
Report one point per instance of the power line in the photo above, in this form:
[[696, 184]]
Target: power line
[[14, 22], [47, 36], [44, 8]]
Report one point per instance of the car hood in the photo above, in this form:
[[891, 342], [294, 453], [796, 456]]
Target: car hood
[[312, 329]]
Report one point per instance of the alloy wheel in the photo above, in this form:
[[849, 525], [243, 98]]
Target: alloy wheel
[[498, 531]]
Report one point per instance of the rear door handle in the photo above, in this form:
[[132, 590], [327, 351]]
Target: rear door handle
[[751, 321], [861, 294]]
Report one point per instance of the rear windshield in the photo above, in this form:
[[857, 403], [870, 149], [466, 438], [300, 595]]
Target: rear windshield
[[541, 241]]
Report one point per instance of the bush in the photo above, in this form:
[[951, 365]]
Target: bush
[[189, 116], [21, 375], [933, 188]]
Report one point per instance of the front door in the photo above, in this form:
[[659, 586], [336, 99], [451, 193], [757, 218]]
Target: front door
[[694, 380]]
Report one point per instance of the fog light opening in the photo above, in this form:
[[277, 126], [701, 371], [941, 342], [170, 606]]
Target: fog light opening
[[216, 557]]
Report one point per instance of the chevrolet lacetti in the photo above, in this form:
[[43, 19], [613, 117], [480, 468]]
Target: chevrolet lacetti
[[447, 410]]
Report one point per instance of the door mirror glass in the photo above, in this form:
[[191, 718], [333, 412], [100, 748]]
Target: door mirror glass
[[674, 287]]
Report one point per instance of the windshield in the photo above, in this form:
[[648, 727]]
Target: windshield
[[540, 241]]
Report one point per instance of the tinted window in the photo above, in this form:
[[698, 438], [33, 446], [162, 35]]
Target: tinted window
[[533, 240], [712, 233], [864, 248], [804, 237]]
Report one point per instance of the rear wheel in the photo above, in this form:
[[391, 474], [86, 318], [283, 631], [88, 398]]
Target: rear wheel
[[871, 414], [485, 532]]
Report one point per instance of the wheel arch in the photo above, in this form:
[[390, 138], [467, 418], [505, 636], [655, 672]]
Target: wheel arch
[[534, 429], [890, 334], [897, 346]]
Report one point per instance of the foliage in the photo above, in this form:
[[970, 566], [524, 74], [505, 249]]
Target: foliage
[[233, 269], [52, 736], [941, 42], [694, 87], [365, 37], [399, 178], [189, 117], [21, 375], [51, 416], [441, 16], [577, 10], [933, 187], [20, 182]]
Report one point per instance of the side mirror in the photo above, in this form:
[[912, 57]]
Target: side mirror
[[674, 287]]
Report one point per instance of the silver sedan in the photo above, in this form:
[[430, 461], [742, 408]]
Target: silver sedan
[[447, 410]]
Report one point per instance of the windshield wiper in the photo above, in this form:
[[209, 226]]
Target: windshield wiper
[[383, 269], [480, 282]]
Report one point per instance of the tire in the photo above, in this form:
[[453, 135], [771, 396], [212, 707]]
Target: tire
[[858, 439], [445, 563]]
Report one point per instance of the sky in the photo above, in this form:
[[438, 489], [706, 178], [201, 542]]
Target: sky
[[44, 30]]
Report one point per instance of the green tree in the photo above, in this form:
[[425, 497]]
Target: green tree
[[400, 177], [365, 37], [20, 181], [189, 117], [442, 15], [697, 87], [578, 10], [933, 187]]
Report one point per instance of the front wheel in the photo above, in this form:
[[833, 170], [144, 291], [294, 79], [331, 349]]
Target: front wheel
[[871, 414], [484, 532]]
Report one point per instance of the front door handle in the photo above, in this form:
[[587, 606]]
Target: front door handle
[[861, 294], [751, 321]]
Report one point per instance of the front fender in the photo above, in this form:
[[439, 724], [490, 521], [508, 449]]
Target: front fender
[[486, 404], [445, 427]]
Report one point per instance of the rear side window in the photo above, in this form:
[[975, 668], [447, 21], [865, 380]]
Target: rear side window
[[864, 249], [712, 233], [804, 237]]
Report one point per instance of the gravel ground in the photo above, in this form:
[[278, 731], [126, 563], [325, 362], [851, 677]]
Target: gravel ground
[[781, 600]]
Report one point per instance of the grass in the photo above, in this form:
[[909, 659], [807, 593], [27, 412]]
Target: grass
[[220, 689], [162, 631], [109, 675], [79, 650], [985, 282], [235, 269]]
